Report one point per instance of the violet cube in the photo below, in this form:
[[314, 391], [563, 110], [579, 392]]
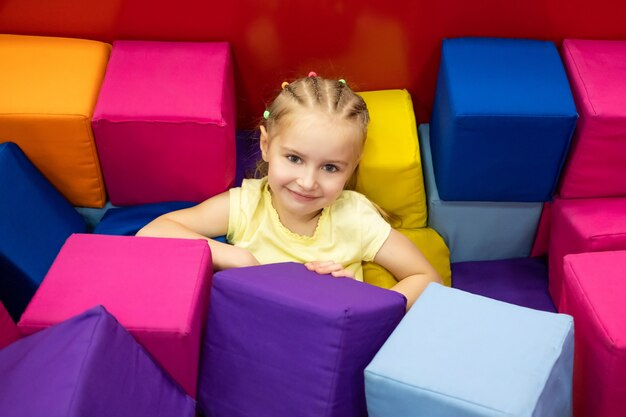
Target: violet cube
[[520, 281], [285, 341], [87, 366]]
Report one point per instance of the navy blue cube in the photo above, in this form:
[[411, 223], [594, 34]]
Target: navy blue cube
[[126, 221], [35, 220], [502, 120]]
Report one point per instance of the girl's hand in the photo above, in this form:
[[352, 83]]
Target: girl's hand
[[329, 267]]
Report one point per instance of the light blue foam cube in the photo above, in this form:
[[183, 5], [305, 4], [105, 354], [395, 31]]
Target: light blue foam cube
[[456, 354]]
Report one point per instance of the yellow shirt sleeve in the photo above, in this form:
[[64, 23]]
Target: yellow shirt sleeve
[[243, 203], [234, 215]]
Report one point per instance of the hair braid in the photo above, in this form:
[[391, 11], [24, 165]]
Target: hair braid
[[340, 88], [316, 88], [293, 94]]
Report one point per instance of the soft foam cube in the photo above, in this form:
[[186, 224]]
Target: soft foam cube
[[583, 225], [126, 221], [521, 281], [87, 366], [285, 341], [165, 122], [35, 220], [478, 230], [390, 170], [49, 90], [8, 330], [390, 174], [542, 238], [157, 288], [458, 354], [593, 293], [595, 166], [502, 120]]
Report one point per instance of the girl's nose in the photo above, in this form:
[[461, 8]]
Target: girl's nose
[[308, 179]]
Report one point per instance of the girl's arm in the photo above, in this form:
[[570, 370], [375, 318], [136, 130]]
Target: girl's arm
[[204, 221], [407, 264]]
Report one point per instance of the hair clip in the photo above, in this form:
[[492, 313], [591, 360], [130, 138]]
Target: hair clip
[[266, 114], [284, 84], [342, 81], [312, 74]]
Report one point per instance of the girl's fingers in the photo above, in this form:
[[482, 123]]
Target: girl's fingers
[[316, 264], [323, 267], [327, 269], [343, 273]]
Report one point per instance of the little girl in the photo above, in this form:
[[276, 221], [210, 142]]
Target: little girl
[[311, 143]]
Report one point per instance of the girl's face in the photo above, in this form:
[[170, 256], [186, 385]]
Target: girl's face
[[310, 160]]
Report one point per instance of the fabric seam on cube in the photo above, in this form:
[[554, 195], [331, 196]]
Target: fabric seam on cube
[[580, 78]]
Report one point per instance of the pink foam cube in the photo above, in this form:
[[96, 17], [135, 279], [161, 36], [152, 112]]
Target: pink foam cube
[[164, 123], [158, 289], [8, 331], [585, 225], [594, 290], [542, 237], [597, 74]]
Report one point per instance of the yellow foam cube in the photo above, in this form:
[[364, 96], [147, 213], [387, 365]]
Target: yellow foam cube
[[49, 90], [390, 174], [432, 247], [390, 171]]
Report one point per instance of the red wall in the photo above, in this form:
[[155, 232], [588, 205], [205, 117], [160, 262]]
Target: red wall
[[373, 44]]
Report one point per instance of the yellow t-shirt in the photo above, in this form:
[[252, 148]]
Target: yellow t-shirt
[[348, 232]]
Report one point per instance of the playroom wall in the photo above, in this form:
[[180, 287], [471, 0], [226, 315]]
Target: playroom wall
[[374, 44]]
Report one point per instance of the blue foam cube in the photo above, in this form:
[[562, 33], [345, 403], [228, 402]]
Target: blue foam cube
[[502, 120], [459, 354], [35, 220], [478, 230], [126, 221]]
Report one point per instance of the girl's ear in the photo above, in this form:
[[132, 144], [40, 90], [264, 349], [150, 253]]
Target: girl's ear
[[264, 142]]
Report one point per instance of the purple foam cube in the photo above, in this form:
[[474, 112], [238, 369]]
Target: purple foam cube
[[284, 341], [86, 366], [521, 281]]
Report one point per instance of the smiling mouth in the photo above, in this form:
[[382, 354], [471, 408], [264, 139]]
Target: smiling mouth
[[302, 197]]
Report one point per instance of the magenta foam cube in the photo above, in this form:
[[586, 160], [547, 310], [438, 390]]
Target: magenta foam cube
[[8, 331], [164, 123], [583, 225], [597, 74], [157, 288], [593, 293]]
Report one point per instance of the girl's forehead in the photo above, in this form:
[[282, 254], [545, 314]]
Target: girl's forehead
[[317, 125]]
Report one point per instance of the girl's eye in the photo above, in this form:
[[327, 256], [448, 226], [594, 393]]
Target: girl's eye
[[330, 168], [294, 159]]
